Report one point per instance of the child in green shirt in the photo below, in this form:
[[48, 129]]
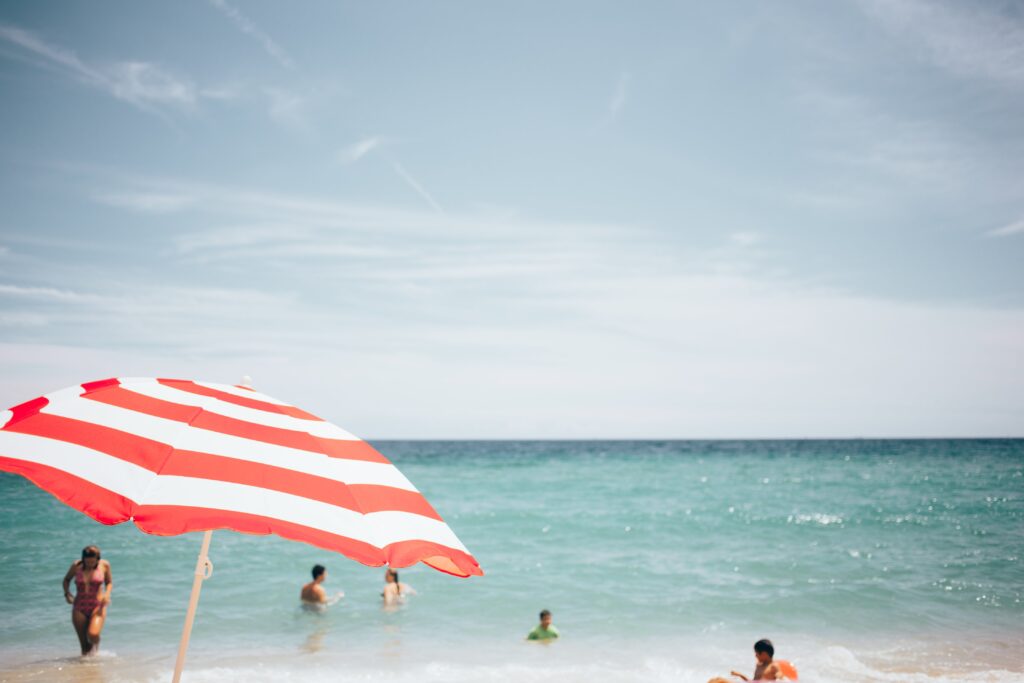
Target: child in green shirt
[[544, 631]]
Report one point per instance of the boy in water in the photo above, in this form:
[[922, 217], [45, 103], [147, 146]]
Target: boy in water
[[545, 630], [766, 669], [313, 593]]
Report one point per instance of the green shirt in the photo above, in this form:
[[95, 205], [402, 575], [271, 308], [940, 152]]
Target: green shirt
[[541, 633]]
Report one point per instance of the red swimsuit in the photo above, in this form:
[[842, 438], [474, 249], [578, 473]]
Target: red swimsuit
[[85, 598]]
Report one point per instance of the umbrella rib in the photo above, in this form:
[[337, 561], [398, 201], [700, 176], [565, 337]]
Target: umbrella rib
[[170, 452]]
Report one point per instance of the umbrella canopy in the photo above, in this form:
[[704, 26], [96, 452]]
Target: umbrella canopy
[[174, 456]]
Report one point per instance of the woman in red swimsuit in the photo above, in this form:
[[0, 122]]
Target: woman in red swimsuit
[[93, 583]]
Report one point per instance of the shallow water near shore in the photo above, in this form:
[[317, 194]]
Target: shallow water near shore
[[661, 560]]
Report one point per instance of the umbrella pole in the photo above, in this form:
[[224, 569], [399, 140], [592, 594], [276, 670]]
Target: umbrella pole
[[204, 569]]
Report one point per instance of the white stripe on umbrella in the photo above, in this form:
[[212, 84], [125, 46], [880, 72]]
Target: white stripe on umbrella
[[324, 430], [113, 474], [231, 389]]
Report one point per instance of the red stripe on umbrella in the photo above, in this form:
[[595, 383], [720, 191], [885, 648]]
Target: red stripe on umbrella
[[189, 385], [202, 419]]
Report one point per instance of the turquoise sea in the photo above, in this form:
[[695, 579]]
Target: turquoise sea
[[661, 560]]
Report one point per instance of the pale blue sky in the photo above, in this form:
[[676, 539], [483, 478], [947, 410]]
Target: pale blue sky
[[568, 219]]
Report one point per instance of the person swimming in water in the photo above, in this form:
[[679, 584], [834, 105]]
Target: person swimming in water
[[313, 593], [93, 585], [394, 590], [545, 630], [766, 669]]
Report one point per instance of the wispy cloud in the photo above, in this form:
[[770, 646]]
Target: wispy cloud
[[417, 187], [146, 86], [975, 40], [246, 26], [863, 134], [232, 238], [53, 56], [231, 224], [617, 102], [619, 97], [275, 242], [745, 239], [283, 244], [1015, 228], [262, 210], [358, 150], [221, 93], [288, 108], [22, 319], [144, 310], [44, 294], [147, 202], [145, 82]]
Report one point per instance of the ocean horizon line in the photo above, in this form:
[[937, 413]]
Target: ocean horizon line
[[711, 439]]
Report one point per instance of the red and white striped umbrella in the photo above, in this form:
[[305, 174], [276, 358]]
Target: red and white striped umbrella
[[174, 456]]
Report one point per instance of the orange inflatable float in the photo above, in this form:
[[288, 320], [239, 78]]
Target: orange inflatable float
[[787, 669]]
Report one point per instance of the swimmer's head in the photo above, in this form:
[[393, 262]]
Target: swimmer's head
[[91, 552], [391, 576], [318, 571], [545, 618], [764, 650]]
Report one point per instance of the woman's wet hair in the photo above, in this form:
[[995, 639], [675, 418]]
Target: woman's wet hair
[[398, 586], [90, 551]]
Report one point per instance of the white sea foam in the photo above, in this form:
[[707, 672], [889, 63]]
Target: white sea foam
[[836, 665], [566, 662]]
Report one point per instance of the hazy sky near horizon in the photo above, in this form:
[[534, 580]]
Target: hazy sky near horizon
[[530, 219]]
